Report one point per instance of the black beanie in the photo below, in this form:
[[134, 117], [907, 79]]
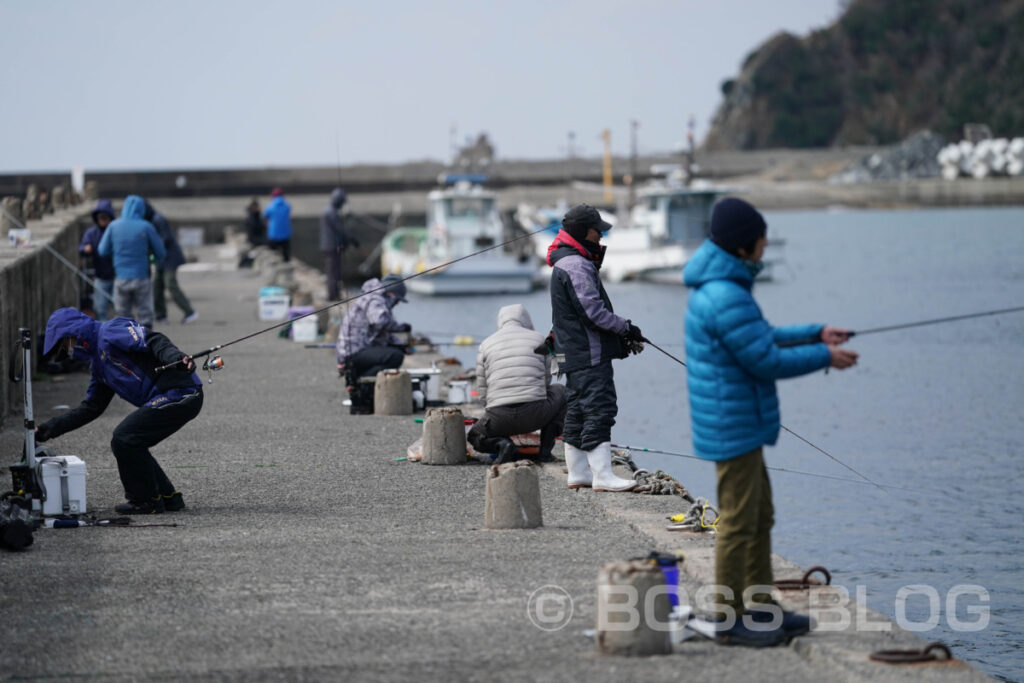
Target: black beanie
[[736, 223]]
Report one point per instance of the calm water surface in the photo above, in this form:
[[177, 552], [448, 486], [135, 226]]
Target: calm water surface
[[937, 409]]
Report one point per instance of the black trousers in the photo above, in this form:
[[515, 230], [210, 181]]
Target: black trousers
[[592, 406], [546, 414], [373, 359], [283, 246], [141, 475]]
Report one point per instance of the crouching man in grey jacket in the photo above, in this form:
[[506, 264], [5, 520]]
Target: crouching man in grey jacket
[[514, 382]]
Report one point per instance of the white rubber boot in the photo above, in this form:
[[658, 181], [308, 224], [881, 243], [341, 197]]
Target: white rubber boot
[[579, 471], [600, 460]]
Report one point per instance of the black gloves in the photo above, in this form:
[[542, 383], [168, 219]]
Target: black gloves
[[547, 346], [633, 333], [404, 327], [43, 433]]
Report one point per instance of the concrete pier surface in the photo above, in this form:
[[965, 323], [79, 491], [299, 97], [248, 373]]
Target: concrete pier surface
[[307, 552]]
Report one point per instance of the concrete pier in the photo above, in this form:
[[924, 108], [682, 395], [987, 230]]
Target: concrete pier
[[307, 552]]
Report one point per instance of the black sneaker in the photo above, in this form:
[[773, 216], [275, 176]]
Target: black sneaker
[[154, 506], [507, 452], [793, 624], [750, 637], [174, 502]]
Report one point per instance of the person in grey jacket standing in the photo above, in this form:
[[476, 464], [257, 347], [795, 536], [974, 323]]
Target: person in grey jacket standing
[[167, 272], [334, 239], [514, 382]]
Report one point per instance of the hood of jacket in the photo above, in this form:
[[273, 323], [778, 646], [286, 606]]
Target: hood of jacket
[[70, 322], [338, 198], [134, 207], [566, 244], [515, 314], [711, 262], [103, 206]]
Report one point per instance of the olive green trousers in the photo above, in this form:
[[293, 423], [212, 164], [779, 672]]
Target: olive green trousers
[[743, 547]]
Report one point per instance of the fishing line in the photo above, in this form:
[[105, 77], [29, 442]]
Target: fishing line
[[817, 448], [771, 467], [60, 257], [442, 266]]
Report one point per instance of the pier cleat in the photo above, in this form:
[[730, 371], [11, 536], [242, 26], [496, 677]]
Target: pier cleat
[[793, 624], [174, 502], [154, 506]]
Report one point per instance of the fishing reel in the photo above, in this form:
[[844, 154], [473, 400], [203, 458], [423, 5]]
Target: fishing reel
[[212, 365], [633, 346]]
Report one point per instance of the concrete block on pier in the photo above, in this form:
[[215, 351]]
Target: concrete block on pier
[[632, 609], [513, 496], [392, 394], [11, 218], [59, 198], [444, 435]]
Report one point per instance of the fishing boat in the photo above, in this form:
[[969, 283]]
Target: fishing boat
[[462, 221], [667, 224]]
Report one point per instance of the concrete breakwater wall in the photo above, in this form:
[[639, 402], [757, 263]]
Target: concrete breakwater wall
[[33, 283]]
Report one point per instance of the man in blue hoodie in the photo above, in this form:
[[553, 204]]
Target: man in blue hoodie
[[279, 224], [103, 267], [130, 240], [733, 359], [123, 357]]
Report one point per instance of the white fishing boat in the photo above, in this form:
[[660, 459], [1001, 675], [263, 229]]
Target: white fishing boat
[[462, 220], [667, 224]]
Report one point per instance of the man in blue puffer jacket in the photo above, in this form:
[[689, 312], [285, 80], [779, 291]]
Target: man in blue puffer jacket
[[279, 224], [733, 359], [124, 356], [130, 240]]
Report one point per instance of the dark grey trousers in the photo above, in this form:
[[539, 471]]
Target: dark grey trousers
[[592, 406], [547, 415]]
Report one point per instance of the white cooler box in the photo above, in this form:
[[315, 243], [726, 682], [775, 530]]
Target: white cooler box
[[274, 307], [63, 480]]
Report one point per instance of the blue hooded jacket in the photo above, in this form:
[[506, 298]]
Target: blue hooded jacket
[[130, 239], [279, 220], [733, 357], [104, 266], [123, 359]]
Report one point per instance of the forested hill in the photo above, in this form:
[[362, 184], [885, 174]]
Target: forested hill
[[885, 69]]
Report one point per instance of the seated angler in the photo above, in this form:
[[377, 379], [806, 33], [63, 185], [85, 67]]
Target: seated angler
[[366, 341], [514, 382], [124, 358]]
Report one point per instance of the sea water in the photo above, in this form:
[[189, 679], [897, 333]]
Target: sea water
[[937, 409]]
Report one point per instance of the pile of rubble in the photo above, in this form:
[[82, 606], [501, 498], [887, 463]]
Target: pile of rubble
[[989, 157], [915, 157]]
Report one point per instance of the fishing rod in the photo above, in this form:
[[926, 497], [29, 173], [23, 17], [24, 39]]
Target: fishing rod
[[771, 467], [60, 257], [817, 448], [213, 349], [919, 323]]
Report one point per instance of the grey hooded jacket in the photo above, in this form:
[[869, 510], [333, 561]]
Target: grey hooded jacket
[[507, 369]]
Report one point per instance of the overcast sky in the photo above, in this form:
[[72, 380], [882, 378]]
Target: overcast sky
[[138, 85]]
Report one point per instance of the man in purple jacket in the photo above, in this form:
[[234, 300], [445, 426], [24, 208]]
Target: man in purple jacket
[[124, 357]]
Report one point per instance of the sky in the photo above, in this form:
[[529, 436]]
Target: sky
[[111, 84]]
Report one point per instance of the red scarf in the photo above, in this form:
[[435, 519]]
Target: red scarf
[[565, 239]]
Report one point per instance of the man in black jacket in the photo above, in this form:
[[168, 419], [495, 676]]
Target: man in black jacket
[[590, 335], [334, 239]]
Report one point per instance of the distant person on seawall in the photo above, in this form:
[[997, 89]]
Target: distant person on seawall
[[279, 224]]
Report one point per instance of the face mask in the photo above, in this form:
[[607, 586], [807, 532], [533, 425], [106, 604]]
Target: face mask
[[753, 268]]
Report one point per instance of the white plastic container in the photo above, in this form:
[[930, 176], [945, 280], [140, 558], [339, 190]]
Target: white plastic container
[[458, 391], [274, 307], [304, 329], [63, 480]]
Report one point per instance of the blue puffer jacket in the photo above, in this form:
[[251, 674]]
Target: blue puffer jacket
[[130, 239], [279, 220], [733, 358]]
